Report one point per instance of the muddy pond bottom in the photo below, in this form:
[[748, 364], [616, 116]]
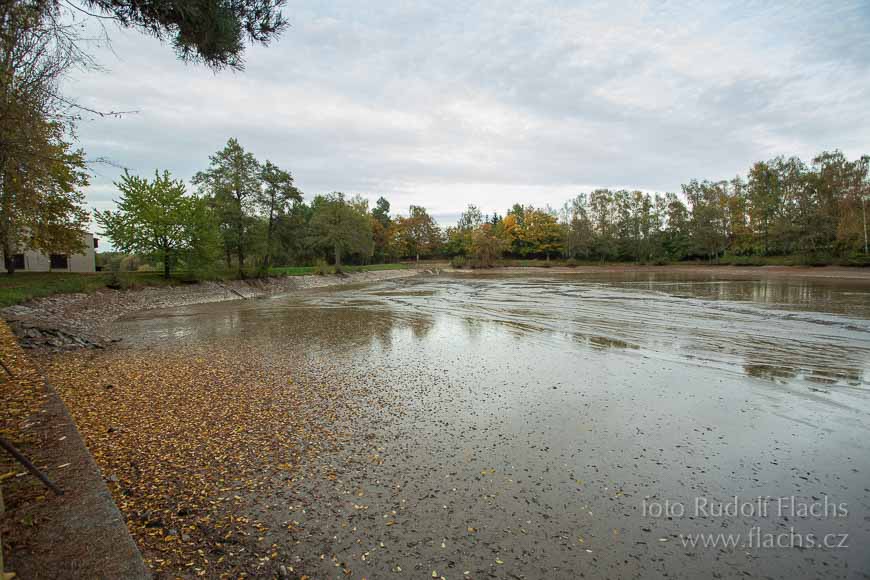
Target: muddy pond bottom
[[629, 426]]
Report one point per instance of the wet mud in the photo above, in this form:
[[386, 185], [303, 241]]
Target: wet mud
[[549, 426]]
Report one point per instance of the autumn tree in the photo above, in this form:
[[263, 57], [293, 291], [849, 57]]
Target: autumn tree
[[157, 218], [418, 232], [486, 246], [541, 233], [41, 173]]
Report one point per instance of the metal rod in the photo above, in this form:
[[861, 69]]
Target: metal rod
[[30, 467]]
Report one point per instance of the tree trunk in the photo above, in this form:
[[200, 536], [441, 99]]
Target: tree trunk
[[337, 256], [241, 256], [166, 267], [8, 256], [240, 231], [268, 257]]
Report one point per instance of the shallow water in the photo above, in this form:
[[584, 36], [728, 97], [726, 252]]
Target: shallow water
[[531, 425]]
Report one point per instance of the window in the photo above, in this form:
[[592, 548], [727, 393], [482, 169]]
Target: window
[[18, 261], [96, 243], [59, 262]]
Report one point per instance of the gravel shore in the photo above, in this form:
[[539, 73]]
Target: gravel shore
[[81, 320]]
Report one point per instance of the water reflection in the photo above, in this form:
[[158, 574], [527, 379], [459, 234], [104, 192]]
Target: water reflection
[[779, 331]]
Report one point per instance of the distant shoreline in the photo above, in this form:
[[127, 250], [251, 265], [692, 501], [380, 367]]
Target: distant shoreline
[[725, 271]]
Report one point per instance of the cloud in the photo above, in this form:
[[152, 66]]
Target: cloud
[[442, 104]]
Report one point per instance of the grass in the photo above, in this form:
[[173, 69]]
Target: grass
[[24, 286], [795, 260], [727, 260], [308, 270]]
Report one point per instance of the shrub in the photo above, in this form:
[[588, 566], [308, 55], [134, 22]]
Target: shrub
[[321, 268], [458, 262]]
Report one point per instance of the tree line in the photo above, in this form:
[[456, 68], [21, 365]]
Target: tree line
[[42, 173], [250, 216]]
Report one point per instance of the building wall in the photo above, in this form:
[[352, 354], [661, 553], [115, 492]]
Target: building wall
[[83, 262]]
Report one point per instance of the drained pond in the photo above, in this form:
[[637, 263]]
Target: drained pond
[[475, 425]]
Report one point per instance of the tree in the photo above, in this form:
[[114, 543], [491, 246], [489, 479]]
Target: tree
[[40, 172], [459, 238], [486, 246], [340, 226], [210, 31], [381, 212], [40, 196], [418, 232], [157, 218], [274, 199], [764, 201], [707, 223], [232, 184], [541, 232], [381, 224]]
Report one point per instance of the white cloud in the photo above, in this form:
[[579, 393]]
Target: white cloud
[[442, 104]]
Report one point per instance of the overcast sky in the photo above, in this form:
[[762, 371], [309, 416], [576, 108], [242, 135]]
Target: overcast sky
[[447, 103]]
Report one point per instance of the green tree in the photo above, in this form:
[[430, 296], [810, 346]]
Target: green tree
[[274, 199], [157, 218], [381, 224], [764, 200], [677, 239], [459, 238], [381, 212], [602, 212], [708, 218], [232, 184], [486, 246], [580, 236], [210, 31], [340, 226]]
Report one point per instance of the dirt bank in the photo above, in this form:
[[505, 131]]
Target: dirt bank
[[76, 320]]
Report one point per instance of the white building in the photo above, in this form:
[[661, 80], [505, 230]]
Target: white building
[[33, 261]]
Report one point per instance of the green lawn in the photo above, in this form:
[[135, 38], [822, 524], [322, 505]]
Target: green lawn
[[307, 270]]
